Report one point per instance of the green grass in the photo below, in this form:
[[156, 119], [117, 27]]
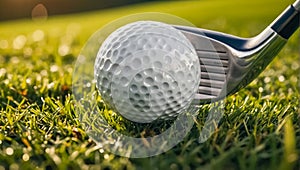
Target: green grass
[[39, 126]]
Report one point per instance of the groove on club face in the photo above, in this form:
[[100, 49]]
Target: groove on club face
[[224, 69], [214, 67], [214, 63]]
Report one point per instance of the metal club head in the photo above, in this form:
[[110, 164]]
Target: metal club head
[[231, 63]]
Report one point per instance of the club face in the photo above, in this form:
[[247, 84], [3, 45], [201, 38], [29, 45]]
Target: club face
[[214, 62], [229, 63]]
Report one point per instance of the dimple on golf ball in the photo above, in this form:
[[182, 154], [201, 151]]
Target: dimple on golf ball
[[147, 70]]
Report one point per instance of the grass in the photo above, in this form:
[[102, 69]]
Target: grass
[[39, 125]]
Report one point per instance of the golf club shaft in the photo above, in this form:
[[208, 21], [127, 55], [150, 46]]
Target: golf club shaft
[[288, 22]]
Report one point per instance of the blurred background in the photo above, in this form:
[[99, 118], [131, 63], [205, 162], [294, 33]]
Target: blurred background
[[69, 23], [16, 9]]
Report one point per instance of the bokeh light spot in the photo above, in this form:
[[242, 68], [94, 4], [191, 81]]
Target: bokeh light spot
[[63, 50], [38, 35], [3, 44], [19, 42], [9, 151], [25, 157], [39, 12]]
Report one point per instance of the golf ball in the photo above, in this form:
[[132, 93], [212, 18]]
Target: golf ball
[[147, 70]]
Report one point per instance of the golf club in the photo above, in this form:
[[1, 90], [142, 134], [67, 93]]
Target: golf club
[[236, 61]]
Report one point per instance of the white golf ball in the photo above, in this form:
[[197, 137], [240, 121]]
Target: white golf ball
[[147, 70]]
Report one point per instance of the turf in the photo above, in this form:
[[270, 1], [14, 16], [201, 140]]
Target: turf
[[39, 126]]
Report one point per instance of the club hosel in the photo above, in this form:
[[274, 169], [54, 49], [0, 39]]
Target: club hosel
[[288, 22], [296, 5]]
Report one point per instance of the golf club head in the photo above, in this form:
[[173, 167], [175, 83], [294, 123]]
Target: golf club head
[[229, 63]]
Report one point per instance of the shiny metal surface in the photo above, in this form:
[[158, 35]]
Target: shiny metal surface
[[297, 5], [229, 63]]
